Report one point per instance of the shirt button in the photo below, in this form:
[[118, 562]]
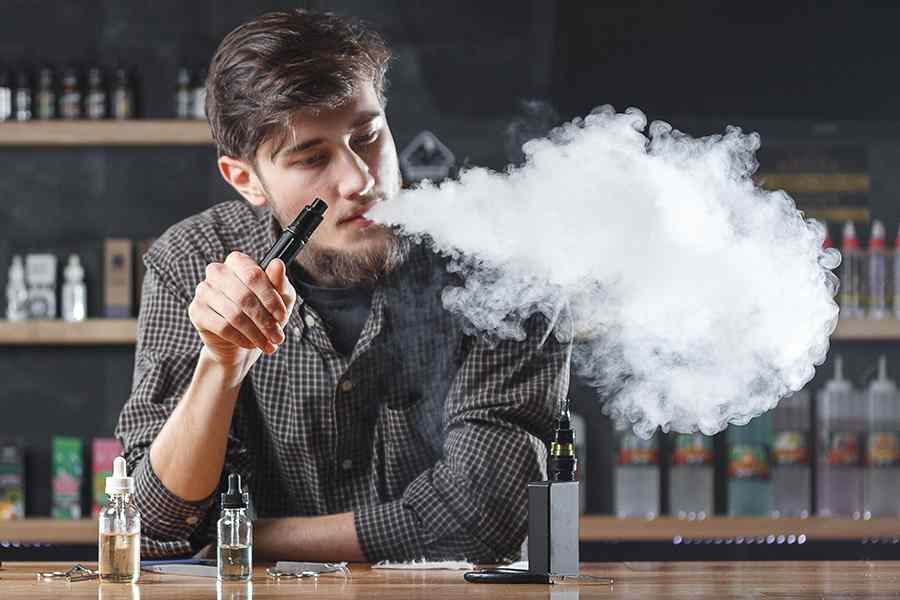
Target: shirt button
[[310, 321], [347, 464], [346, 385], [192, 520], [296, 332]]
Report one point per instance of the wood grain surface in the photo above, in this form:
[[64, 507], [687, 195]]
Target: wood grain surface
[[721, 580]]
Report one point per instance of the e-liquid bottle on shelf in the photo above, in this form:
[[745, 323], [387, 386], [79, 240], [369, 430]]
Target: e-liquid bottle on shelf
[[122, 95], [896, 278], [791, 457], [74, 292], [120, 529], [23, 97], [199, 99], [877, 273], [70, 100], [691, 476], [637, 476], [749, 471], [850, 292], [46, 94], [840, 424], [6, 96], [96, 103], [881, 475], [235, 534], [184, 97]]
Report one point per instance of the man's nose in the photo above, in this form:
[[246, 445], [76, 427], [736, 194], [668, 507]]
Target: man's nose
[[355, 180]]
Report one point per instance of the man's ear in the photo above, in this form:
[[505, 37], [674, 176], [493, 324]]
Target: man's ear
[[243, 178]]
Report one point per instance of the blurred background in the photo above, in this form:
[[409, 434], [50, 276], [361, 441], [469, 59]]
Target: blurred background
[[103, 147]]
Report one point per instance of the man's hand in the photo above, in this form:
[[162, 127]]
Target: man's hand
[[239, 310]]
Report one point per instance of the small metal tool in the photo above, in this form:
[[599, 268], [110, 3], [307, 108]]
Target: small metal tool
[[76, 573], [299, 570]]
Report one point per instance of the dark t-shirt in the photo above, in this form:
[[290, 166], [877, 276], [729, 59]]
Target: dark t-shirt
[[344, 310]]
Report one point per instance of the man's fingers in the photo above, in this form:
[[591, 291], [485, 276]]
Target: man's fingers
[[252, 275], [277, 273], [234, 315], [206, 319]]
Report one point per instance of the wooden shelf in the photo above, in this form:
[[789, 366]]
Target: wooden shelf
[[602, 528], [867, 329], [107, 133], [61, 333], [593, 529], [36, 530]]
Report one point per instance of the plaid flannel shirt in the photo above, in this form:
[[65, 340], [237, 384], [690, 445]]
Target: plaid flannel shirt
[[428, 435]]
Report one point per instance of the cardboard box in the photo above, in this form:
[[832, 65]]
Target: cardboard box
[[103, 452], [67, 473], [12, 480], [117, 281]]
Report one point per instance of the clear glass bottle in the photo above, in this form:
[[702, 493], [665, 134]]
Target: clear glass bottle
[[235, 534], [881, 475], [120, 529], [791, 457], [122, 106], [74, 292], [691, 476]]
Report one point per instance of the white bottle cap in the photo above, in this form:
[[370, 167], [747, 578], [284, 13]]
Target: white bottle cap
[[119, 482], [74, 272]]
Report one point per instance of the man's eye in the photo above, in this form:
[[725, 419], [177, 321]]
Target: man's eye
[[312, 160], [366, 139]]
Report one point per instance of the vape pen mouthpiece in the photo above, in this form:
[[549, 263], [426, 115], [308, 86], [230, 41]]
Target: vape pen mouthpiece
[[562, 461]]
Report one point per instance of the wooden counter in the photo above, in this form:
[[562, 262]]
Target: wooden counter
[[632, 580]]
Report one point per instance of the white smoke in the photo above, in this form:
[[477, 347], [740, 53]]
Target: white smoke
[[697, 299]]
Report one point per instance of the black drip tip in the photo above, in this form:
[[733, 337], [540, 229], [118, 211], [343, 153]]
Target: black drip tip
[[561, 463], [234, 497]]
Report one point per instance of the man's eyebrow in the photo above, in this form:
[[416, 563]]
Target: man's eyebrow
[[296, 148], [366, 117]]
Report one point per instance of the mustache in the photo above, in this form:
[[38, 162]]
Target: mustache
[[364, 204]]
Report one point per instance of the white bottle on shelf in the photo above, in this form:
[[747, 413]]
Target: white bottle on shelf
[[791, 459], [691, 476], [877, 273], [16, 291], [851, 274], [840, 426], [637, 477], [580, 428], [881, 491], [74, 292]]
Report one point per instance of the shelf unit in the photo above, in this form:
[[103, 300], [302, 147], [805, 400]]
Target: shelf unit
[[62, 333], [106, 133], [594, 528]]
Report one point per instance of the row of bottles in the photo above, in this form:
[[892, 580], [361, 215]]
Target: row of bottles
[[769, 466], [869, 277], [120, 531]]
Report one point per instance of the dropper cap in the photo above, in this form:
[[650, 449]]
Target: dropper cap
[[849, 238], [877, 239], [882, 384], [234, 498], [120, 482], [838, 384]]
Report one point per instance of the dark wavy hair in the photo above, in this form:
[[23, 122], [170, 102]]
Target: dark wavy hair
[[266, 70]]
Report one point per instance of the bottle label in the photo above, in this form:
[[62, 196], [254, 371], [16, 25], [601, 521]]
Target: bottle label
[[634, 450], [791, 448], [692, 449], [883, 449], [843, 448], [748, 461]]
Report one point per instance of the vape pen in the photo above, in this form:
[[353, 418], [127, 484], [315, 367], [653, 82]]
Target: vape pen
[[296, 234]]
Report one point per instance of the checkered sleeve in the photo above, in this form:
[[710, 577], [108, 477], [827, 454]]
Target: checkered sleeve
[[165, 358], [472, 503]]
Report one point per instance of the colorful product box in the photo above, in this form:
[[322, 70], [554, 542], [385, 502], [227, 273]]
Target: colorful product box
[[12, 480], [103, 452], [68, 469]]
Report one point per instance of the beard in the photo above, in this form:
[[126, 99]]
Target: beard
[[380, 255]]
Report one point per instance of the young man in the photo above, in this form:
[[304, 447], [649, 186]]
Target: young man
[[363, 420]]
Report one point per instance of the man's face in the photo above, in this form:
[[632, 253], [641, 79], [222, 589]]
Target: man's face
[[347, 157]]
